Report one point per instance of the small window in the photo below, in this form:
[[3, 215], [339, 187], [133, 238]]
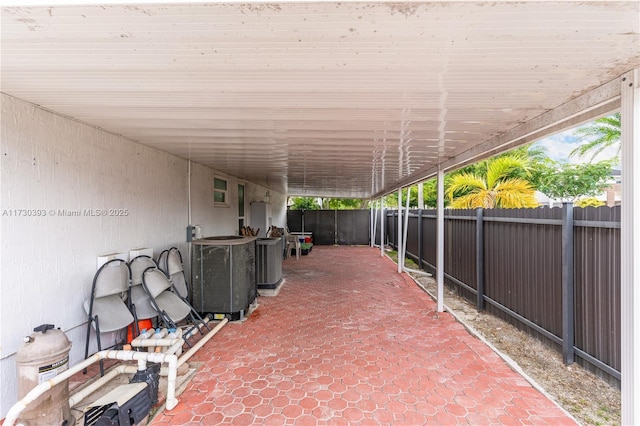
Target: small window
[[220, 192]]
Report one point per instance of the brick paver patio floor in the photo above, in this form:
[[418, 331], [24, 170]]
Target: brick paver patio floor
[[350, 341]]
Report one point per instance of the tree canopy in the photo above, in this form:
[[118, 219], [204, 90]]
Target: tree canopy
[[494, 184], [570, 182], [599, 135]]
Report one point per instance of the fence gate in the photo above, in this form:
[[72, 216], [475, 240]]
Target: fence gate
[[344, 227]]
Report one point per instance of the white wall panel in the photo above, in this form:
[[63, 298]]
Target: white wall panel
[[57, 178]]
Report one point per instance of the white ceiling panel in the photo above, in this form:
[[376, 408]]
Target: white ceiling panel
[[319, 98]]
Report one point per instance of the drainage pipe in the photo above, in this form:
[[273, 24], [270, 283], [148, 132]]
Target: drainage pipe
[[95, 385], [171, 359], [187, 355], [201, 342], [112, 374], [416, 271]]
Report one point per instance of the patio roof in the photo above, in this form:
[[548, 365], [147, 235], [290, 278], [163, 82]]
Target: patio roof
[[348, 99]]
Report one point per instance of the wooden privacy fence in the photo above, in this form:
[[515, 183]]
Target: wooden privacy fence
[[551, 272]]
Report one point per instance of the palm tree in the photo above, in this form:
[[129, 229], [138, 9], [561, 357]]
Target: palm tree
[[498, 187], [599, 135]]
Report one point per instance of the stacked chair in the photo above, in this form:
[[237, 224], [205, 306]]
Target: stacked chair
[[124, 293], [139, 301], [106, 308], [170, 262], [170, 307]]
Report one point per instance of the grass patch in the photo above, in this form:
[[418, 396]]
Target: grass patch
[[408, 262]]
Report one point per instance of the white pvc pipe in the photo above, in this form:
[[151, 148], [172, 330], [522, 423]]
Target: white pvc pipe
[[416, 271], [95, 385], [43, 387], [201, 342], [156, 342], [195, 330], [153, 341], [122, 369]]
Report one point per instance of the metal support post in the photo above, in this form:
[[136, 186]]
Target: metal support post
[[406, 230], [420, 238], [630, 246], [383, 219], [568, 303], [479, 259], [440, 243], [399, 237]]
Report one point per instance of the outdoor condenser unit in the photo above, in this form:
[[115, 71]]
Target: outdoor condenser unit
[[269, 262], [223, 281]]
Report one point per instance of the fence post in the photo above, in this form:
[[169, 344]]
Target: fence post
[[420, 238], [568, 319], [335, 227], [479, 259]]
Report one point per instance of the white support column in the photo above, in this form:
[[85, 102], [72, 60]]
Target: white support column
[[383, 219], [374, 227], [440, 242], [405, 228], [399, 238], [371, 221], [630, 247], [420, 196]]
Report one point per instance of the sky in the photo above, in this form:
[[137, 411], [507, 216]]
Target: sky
[[559, 146]]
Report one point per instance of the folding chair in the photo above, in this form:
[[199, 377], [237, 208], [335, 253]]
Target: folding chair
[[106, 308], [170, 262], [139, 301], [170, 307]]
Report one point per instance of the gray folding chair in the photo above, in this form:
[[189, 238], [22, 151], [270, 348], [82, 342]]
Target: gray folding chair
[[139, 301], [175, 271], [106, 308], [170, 307], [171, 265]]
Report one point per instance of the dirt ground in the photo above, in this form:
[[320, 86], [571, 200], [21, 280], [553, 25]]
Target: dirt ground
[[589, 399]]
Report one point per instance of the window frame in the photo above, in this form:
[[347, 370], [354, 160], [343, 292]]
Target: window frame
[[224, 192]]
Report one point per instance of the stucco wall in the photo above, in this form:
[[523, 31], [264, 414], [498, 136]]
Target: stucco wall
[[56, 175]]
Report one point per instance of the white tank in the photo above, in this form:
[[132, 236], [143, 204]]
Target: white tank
[[44, 355]]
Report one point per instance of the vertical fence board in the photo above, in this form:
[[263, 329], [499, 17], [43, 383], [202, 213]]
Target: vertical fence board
[[597, 277], [294, 220], [412, 235], [353, 227], [523, 268], [460, 249]]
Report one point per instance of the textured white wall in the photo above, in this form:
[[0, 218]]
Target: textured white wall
[[51, 163]]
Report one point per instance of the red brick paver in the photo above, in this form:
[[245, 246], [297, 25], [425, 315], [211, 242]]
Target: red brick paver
[[350, 341]]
